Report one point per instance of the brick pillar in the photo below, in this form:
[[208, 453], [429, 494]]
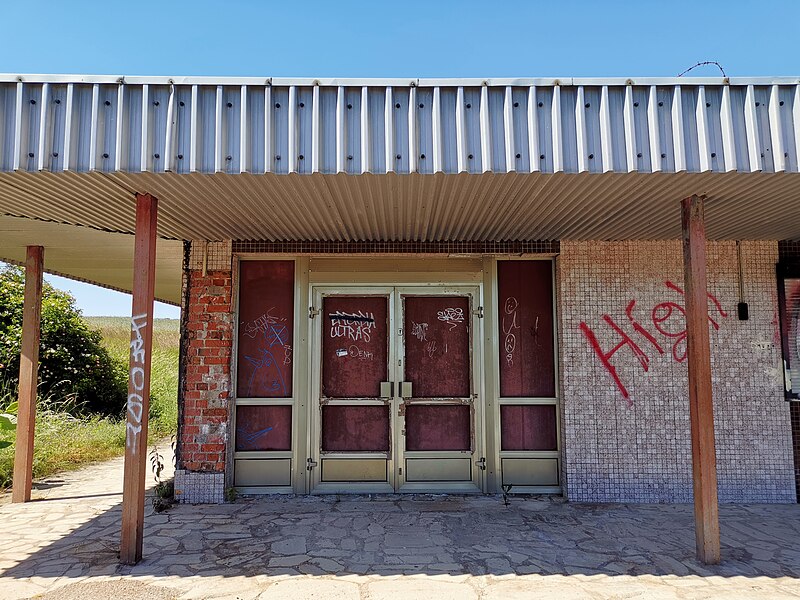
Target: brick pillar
[[206, 390]]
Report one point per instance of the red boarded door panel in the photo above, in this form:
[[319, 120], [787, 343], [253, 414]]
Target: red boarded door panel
[[527, 364], [436, 333], [263, 428], [528, 427], [266, 329], [438, 427], [355, 428], [354, 346]]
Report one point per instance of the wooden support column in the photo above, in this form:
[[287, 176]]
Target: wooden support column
[[701, 409], [28, 375], [144, 262]]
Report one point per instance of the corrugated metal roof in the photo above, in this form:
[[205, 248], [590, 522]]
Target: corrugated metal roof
[[269, 125]]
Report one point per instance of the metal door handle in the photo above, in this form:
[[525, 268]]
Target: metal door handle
[[310, 464], [387, 389], [481, 464], [405, 389]]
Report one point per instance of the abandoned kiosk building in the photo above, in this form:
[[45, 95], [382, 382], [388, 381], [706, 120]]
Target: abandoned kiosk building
[[439, 285]]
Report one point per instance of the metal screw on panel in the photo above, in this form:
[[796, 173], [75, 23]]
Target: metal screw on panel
[[55, 154], [349, 106], [277, 105], [277, 157], [30, 154], [541, 104], [57, 100], [228, 157], [762, 155], [33, 101], [516, 104], [638, 155], [541, 157], [469, 105], [421, 105], [780, 103], [397, 105], [180, 156], [587, 105], [156, 103], [636, 104], [181, 103], [469, 156], [591, 156], [758, 103], [398, 157], [663, 155], [105, 154], [422, 156], [661, 104], [229, 105], [108, 103], [301, 157], [156, 156], [518, 155], [302, 104], [708, 104], [349, 157], [713, 155]]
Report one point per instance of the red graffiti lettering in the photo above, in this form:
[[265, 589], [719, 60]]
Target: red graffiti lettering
[[669, 320]]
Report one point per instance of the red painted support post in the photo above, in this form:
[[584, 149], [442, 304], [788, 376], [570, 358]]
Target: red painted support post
[[144, 262], [28, 371], [701, 409]]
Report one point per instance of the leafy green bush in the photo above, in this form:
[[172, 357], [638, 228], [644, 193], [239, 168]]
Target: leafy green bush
[[72, 360]]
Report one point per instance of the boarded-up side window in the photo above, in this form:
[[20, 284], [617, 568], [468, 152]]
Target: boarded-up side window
[[525, 307], [266, 329]]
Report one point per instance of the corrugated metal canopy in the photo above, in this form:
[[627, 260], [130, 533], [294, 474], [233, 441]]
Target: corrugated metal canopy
[[478, 160], [205, 125]]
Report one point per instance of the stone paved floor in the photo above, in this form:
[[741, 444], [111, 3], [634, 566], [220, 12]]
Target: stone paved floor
[[64, 545]]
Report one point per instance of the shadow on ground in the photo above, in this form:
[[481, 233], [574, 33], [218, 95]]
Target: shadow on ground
[[392, 535]]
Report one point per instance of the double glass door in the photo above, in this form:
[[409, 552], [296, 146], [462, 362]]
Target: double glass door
[[395, 382]]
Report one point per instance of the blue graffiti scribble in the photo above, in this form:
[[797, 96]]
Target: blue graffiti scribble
[[275, 334], [248, 438]]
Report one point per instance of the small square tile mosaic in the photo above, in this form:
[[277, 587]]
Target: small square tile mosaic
[[624, 376], [397, 247], [199, 488]]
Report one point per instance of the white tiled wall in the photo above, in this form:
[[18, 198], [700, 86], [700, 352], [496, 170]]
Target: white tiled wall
[[638, 449]]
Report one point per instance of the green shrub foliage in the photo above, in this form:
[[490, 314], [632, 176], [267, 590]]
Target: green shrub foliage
[[72, 362]]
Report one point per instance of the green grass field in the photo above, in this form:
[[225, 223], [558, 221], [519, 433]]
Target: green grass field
[[65, 442]]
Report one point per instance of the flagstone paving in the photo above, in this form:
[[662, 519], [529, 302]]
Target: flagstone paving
[[64, 545]]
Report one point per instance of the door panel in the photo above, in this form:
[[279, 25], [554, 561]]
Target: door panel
[[438, 427], [347, 428], [438, 415], [355, 346], [437, 346]]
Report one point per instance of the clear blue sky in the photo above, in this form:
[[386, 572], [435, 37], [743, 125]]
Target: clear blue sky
[[405, 38]]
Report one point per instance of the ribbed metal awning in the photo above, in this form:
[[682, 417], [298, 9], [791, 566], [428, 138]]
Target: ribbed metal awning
[[303, 159], [270, 125]]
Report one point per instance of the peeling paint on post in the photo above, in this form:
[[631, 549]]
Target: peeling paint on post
[[139, 380]]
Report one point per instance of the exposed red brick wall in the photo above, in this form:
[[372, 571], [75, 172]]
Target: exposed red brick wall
[[207, 383]]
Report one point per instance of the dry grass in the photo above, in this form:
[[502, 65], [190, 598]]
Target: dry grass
[[64, 442]]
